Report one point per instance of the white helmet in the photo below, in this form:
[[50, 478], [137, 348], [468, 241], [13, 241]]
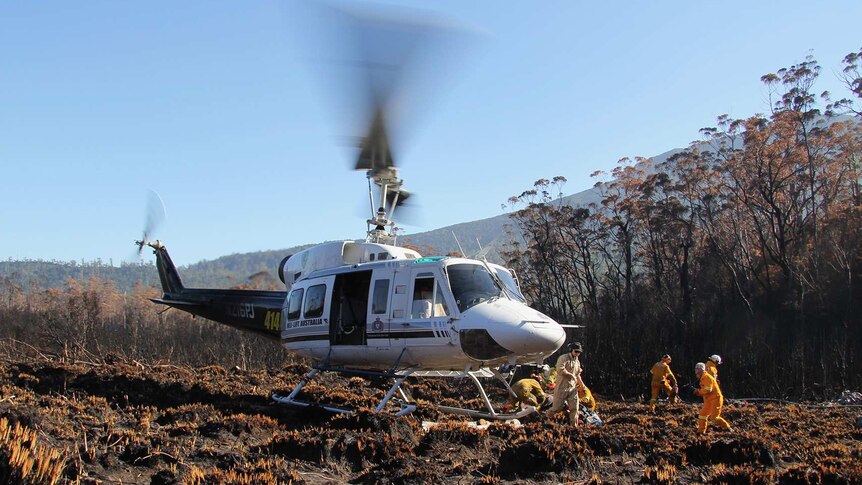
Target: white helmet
[[700, 366], [546, 370], [715, 358]]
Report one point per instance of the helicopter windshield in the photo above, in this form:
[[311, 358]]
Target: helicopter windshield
[[471, 284]]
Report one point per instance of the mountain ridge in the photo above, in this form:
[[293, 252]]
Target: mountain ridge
[[236, 269]]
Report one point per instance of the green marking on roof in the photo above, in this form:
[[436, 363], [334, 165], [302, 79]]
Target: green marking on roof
[[430, 259]]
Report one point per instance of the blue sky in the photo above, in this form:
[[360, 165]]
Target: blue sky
[[214, 106]]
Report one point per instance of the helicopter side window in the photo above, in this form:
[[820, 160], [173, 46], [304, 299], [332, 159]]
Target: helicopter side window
[[380, 298], [440, 308], [314, 298], [428, 301], [294, 305]]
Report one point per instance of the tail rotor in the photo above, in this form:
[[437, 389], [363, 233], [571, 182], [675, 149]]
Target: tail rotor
[[153, 218]]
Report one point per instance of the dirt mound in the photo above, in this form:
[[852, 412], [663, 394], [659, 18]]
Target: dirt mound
[[165, 424]]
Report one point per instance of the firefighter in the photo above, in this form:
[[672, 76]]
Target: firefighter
[[713, 400], [586, 398], [549, 377], [662, 380], [712, 364], [568, 380], [527, 391]]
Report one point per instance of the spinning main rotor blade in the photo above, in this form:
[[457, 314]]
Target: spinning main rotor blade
[[375, 153], [381, 68]]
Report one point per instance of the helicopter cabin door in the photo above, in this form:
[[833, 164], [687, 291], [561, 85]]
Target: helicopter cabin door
[[349, 308], [378, 317], [398, 307]]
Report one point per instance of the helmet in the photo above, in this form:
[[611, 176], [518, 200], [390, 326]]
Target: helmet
[[715, 358], [700, 366], [575, 347], [666, 357], [546, 370]]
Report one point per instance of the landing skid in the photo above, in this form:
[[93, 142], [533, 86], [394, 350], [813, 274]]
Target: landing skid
[[406, 404]]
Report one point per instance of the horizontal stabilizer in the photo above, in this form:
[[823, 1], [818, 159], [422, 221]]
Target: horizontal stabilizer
[[175, 302]]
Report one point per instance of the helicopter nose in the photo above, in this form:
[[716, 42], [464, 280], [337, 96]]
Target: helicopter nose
[[518, 328], [530, 336]]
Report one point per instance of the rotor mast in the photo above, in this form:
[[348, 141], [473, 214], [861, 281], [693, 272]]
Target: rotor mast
[[375, 157], [381, 225]]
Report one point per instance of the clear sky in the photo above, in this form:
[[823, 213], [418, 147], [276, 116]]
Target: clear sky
[[213, 105]]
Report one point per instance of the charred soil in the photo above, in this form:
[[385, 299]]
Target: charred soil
[[125, 422]]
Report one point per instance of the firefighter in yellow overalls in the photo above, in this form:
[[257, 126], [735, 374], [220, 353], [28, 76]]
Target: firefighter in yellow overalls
[[713, 400], [662, 380], [712, 364], [527, 391], [586, 398]]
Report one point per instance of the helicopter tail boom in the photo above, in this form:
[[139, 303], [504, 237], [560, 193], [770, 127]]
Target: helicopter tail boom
[[248, 310]]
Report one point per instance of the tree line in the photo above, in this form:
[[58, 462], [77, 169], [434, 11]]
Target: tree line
[[92, 321], [747, 244]]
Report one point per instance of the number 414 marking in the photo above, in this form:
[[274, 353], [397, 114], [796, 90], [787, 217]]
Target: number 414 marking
[[272, 321]]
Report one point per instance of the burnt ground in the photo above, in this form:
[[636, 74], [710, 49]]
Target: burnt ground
[[125, 422]]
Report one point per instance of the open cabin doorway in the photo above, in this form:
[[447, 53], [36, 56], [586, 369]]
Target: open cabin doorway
[[349, 309]]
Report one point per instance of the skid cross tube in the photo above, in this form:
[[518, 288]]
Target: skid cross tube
[[483, 394], [407, 406], [291, 400], [397, 387], [491, 413]]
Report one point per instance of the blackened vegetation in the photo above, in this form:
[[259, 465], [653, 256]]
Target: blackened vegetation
[[91, 320], [178, 424], [748, 244]]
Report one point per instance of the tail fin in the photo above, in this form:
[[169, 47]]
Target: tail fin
[[171, 283]]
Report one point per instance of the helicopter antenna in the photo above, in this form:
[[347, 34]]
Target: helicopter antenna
[[459, 244]]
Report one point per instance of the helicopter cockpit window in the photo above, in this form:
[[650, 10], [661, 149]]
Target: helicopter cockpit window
[[294, 304], [428, 301], [314, 301], [472, 284]]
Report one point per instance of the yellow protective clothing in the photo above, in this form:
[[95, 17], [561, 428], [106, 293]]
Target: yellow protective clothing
[[566, 392], [528, 391], [662, 380], [586, 398], [713, 401], [712, 368], [550, 382]]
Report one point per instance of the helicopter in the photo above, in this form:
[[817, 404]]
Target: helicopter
[[375, 309]]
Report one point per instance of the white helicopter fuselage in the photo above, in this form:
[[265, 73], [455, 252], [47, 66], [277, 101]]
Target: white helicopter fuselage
[[437, 313]]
